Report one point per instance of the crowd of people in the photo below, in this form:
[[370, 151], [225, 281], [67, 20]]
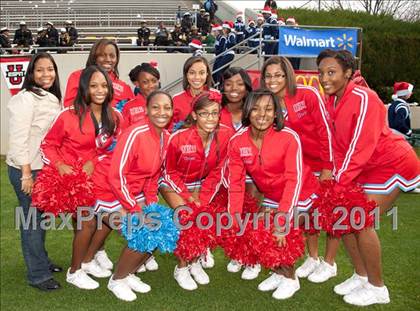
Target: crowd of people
[[278, 143]]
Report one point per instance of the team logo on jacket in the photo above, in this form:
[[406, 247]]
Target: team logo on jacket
[[186, 149], [245, 152], [136, 110], [117, 87], [300, 109]]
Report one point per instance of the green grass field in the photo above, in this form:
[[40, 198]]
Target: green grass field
[[226, 291]]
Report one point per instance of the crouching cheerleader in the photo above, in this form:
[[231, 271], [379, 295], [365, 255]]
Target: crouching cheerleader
[[272, 156]]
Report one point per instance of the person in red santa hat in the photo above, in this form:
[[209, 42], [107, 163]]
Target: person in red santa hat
[[399, 110], [239, 27], [196, 47], [227, 41]]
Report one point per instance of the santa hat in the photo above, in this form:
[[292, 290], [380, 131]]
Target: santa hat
[[291, 19], [260, 17], [195, 43], [227, 25], [251, 21], [402, 89], [280, 21], [266, 10], [215, 27], [274, 13], [239, 14]]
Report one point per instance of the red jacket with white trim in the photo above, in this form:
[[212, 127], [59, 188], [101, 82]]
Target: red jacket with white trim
[[136, 165], [307, 116], [135, 110], [121, 89], [362, 137], [66, 142], [182, 106], [277, 169], [226, 119], [186, 161]]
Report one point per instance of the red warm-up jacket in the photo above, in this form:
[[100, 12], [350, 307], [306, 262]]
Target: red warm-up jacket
[[134, 110]]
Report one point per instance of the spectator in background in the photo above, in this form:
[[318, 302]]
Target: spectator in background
[[399, 110], [143, 34], [72, 31], [41, 37], [64, 40], [4, 40], [200, 18], [196, 47], [161, 35], [239, 28], [23, 36], [194, 34], [249, 32], [271, 4], [270, 32], [52, 34], [178, 15], [178, 38], [186, 23], [295, 61], [211, 7], [260, 21], [206, 25]]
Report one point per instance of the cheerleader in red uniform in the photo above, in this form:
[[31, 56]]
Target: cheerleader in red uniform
[[192, 173], [272, 156], [305, 112], [367, 152], [71, 140], [105, 54], [196, 79], [146, 79], [134, 173]]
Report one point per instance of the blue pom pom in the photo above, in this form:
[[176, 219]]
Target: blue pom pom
[[120, 105], [160, 233], [136, 91]]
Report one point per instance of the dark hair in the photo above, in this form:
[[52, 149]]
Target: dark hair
[[251, 101], [144, 67], [233, 71], [97, 49], [29, 81], [158, 92], [187, 65], [343, 57], [287, 68], [83, 100]]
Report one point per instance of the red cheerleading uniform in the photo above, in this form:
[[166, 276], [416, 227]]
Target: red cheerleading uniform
[[135, 110], [307, 115], [366, 151], [121, 90], [136, 165], [277, 170], [188, 165], [182, 105], [226, 119]]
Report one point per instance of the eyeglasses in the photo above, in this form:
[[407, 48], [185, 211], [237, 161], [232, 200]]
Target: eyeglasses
[[206, 115], [275, 76]]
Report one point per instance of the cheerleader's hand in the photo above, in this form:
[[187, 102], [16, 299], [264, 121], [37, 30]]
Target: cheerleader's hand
[[281, 238], [88, 167], [325, 175], [64, 169]]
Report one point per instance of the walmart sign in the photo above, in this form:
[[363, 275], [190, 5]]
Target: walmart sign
[[309, 42]]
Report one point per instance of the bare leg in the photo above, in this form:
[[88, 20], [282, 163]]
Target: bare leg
[[98, 240], [252, 189], [332, 245], [81, 241], [128, 263], [312, 245], [352, 248]]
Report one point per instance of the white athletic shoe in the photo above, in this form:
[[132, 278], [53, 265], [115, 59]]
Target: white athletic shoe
[[81, 280], [93, 268], [198, 273], [207, 260], [136, 284], [234, 266], [287, 288], [352, 283], [121, 289], [323, 272], [151, 264], [271, 283], [103, 260], [184, 279], [368, 295], [309, 266], [251, 272], [141, 269]]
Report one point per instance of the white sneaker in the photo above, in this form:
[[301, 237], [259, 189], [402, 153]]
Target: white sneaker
[[81, 280], [271, 283], [141, 269], [207, 260], [368, 295], [103, 260], [184, 279], [136, 284], [323, 272], [234, 266], [93, 268], [198, 273], [121, 289], [352, 283], [287, 288], [251, 272], [307, 267], [151, 264]]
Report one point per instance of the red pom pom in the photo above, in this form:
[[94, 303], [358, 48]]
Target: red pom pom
[[345, 211], [62, 194]]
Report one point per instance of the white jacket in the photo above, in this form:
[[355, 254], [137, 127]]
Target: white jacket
[[31, 116]]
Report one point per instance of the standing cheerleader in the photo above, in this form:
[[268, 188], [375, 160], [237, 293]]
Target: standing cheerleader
[[272, 156], [105, 54], [193, 165], [32, 111], [305, 112], [367, 152], [134, 173], [196, 79], [146, 79]]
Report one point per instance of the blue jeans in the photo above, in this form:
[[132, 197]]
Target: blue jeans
[[32, 237]]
